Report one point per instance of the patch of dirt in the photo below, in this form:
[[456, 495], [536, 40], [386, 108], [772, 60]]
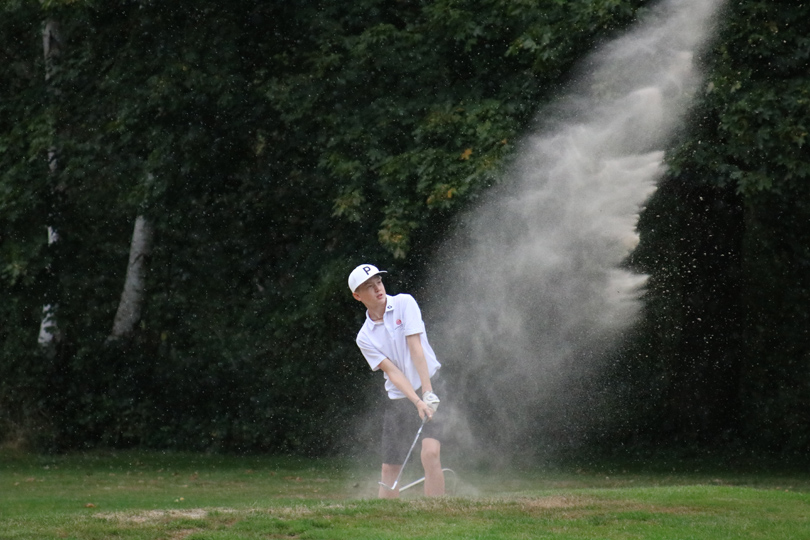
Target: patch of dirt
[[181, 534], [556, 501], [153, 516], [472, 506]]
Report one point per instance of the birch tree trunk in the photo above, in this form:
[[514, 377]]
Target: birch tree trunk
[[132, 297], [52, 49]]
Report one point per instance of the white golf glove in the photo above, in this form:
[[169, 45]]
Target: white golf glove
[[431, 400]]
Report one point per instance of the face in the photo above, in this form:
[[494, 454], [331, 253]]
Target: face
[[371, 292]]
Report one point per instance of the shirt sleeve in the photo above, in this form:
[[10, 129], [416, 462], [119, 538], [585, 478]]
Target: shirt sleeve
[[412, 316], [372, 355]]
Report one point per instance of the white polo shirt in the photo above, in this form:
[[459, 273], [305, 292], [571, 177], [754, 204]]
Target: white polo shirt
[[386, 339]]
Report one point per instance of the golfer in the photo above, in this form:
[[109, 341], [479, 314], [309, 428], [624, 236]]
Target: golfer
[[393, 340]]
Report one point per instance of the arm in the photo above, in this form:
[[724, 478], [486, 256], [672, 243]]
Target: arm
[[401, 381], [414, 343]]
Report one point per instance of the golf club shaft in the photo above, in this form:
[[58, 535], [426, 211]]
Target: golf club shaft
[[410, 450]]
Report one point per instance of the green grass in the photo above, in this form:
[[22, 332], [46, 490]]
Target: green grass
[[133, 495]]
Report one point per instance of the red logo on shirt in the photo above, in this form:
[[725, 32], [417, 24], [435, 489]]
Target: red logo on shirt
[[399, 321]]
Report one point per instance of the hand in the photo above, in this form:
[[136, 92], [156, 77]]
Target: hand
[[431, 399], [425, 412]]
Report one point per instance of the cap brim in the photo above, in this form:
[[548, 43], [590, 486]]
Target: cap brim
[[377, 273]]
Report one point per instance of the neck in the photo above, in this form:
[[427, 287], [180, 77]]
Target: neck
[[376, 314]]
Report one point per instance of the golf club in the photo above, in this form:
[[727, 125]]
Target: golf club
[[393, 487], [417, 482]]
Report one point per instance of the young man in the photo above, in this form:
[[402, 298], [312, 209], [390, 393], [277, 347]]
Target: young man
[[393, 340]]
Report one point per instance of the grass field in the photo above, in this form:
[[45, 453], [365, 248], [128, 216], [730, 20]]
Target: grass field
[[133, 495]]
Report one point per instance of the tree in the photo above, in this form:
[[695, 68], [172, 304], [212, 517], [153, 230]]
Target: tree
[[270, 146], [52, 44], [132, 297], [722, 358]]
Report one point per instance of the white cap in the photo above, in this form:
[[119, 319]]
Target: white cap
[[363, 273]]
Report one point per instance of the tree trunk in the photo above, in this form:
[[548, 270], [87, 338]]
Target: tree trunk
[[131, 303], [48, 331], [52, 49]]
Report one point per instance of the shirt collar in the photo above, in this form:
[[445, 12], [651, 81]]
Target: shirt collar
[[389, 307]]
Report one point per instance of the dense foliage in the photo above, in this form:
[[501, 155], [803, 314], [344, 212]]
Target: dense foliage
[[724, 350], [274, 145]]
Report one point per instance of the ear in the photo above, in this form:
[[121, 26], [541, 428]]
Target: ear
[[356, 296]]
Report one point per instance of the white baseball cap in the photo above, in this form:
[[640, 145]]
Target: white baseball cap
[[361, 274]]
